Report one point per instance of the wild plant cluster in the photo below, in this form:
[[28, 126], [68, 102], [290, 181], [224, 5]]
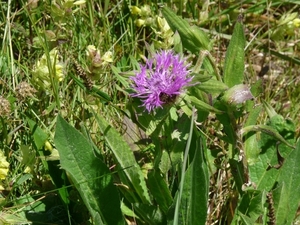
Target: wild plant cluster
[[149, 112]]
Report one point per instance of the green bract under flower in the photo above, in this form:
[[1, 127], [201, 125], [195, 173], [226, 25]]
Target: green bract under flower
[[161, 79]]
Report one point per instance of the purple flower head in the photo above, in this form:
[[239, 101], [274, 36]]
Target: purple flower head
[[161, 79]]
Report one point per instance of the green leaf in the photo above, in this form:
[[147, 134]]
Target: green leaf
[[256, 206], [159, 189], [251, 144], [180, 216], [238, 173], [252, 206], [60, 180], [128, 211], [193, 206], [200, 77], [227, 121], [257, 88], [213, 87], [267, 130], [28, 155], [246, 220], [95, 91], [290, 195], [281, 56], [260, 172], [251, 148], [39, 210], [89, 174], [150, 214], [193, 38], [11, 218], [199, 180], [269, 109], [39, 135], [178, 144], [262, 178], [280, 203], [235, 57], [121, 79], [202, 106], [130, 172]]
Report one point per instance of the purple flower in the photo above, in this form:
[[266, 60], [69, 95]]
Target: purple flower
[[161, 80]]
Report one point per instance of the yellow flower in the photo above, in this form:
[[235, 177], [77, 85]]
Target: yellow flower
[[4, 165], [107, 57], [91, 51], [145, 11], [80, 2], [134, 10], [296, 22], [48, 146], [3, 173], [27, 169], [139, 22], [41, 72]]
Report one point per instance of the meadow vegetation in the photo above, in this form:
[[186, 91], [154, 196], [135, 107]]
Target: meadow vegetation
[[149, 112]]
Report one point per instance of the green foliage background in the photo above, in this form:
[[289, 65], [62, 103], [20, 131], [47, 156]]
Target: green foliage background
[[77, 149]]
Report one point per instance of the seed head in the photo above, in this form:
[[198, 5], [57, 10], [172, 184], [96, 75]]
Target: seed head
[[24, 90], [4, 107]]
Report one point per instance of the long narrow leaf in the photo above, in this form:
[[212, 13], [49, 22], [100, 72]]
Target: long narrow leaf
[[89, 174], [198, 200], [192, 38], [267, 130], [180, 192], [195, 186], [235, 57], [160, 191], [133, 176]]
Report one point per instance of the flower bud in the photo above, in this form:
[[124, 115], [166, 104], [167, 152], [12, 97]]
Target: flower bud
[[145, 11], [237, 94], [134, 10], [48, 146], [80, 2], [139, 22], [296, 22]]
